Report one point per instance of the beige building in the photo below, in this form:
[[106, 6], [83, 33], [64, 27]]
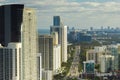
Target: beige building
[[64, 43], [56, 58], [93, 55], [55, 37], [106, 63], [29, 45]]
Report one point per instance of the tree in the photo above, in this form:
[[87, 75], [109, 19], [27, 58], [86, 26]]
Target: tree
[[97, 67]]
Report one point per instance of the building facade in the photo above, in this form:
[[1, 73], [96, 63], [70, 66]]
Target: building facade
[[10, 23], [6, 66], [64, 43], [57, 29], [47, 75], [56, 21], [39, 60], [106, 63], [18, 24], [89, 66], [56, 58], [29, 45], [55, 37], [46, 49], [62, 38], [10, 60]]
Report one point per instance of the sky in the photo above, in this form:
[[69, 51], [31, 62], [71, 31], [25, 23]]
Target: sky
[[75, 13]]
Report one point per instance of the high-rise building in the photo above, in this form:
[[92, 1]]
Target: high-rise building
[[39, 58], [56, 58], [62, 40], [64, 43], [51, 56], [47, 75], [58, 30], [29, 45], [6, 66], [55, 37], [46, 49], [18, 24], [56, 21], [10, 23], [16, 60], [10, 60]]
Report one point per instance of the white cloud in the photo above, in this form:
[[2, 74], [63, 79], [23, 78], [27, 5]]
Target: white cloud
[[81, 14], [76, 13], [64, 6]]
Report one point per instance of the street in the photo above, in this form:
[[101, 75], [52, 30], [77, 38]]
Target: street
[[73, 72]]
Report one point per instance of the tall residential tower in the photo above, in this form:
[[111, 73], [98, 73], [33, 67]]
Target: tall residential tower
[[46, 49], [64, 43], [18, 24], [29, 45]]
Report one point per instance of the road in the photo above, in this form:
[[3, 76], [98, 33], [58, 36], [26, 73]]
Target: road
[[73, 72]]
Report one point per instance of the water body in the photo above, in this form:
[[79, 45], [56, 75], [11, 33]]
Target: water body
[[43, 31]]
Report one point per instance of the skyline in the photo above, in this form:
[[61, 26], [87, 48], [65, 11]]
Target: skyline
[[74, 13], [63, 54]]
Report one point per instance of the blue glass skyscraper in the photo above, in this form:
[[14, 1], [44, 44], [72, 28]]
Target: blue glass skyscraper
[[56, 21]]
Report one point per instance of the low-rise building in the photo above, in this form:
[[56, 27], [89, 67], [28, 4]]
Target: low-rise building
[[89, 66], [106, 63]]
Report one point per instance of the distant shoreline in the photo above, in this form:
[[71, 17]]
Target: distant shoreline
[[43, 31]]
